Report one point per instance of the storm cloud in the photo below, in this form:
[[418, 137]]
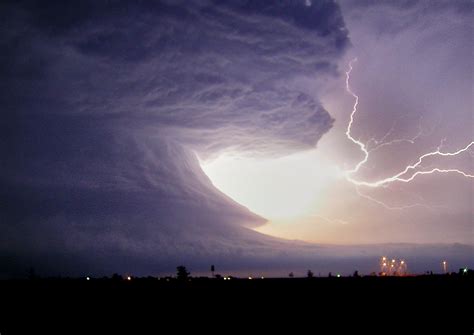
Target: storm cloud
[[107, 104]]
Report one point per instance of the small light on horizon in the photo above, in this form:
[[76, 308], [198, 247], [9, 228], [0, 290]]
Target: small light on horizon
[[88, 278], [129, 278], [445, 267], [338, 275], [250, 278]]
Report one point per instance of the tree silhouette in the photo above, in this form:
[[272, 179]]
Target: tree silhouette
[[310, 274], [182, 273], [212, 270], [291, 275]]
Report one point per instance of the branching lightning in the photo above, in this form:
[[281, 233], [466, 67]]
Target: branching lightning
[[407, 174]]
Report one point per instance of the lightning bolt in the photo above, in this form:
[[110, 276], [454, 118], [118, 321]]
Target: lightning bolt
[[399, 176], [409, 173], [361, 145]]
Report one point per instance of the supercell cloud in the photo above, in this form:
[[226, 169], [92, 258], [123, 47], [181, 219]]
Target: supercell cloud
[[105, 105]]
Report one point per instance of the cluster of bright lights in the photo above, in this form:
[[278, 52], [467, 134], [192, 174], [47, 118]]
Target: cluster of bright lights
[[393, 267], [407, 174]]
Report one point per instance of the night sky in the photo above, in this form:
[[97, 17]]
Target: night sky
[[140, 135]]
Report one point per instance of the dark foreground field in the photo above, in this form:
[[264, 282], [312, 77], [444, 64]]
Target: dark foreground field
[[368, 304]]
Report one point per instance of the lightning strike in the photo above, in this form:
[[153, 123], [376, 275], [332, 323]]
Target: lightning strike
[[404, 175], [399, 176], [351, 121]]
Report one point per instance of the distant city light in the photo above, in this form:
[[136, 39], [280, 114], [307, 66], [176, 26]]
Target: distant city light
[[88, 278], [445, 267], [263, 277], [129, 278], [338, 275], [392, 267], [465, 270], [250, 278]]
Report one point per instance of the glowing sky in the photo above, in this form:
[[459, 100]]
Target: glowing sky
[[135, 136]]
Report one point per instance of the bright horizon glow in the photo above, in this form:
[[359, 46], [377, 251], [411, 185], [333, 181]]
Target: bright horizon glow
[[285, 188]]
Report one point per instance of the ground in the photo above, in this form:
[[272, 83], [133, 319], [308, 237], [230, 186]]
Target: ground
[[236, 305]]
